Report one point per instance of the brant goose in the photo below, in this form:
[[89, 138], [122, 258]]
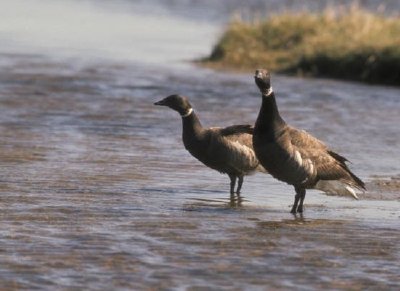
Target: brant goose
[[228, 150], [294, 156]]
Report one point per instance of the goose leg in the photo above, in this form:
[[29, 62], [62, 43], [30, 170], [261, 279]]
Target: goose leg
[[303, 195], [240, 183], [233, 182], [296, 200]]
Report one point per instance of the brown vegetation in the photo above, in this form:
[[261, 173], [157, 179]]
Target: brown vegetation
[[352, 44]]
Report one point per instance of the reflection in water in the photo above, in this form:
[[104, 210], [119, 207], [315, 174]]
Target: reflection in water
[[235, 201], [216, 204]]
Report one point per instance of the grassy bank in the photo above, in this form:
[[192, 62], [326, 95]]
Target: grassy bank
[[352, 44]]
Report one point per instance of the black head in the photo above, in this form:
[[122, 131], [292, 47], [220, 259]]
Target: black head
[[263, 80], [177, 103]]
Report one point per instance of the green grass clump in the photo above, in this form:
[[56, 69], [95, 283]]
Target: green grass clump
[[352, 44]]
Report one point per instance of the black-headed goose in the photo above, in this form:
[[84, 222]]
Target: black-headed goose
[[228, 150], [294, 156]]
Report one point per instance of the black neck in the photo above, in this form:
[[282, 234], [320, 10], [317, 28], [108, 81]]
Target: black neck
[[191, 126], [269, 115]]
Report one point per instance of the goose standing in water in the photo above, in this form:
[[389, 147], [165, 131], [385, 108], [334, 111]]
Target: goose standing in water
[[228, 150], [294, 156]]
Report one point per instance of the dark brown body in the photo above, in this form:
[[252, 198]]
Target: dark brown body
[[294, 156], [227, 150]]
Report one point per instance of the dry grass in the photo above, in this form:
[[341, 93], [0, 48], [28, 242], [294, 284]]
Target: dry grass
[[342, 43]]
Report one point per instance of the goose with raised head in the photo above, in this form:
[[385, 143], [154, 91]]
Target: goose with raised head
[[228, 150], [296, 157]]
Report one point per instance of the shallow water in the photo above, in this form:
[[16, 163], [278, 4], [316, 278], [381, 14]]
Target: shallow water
[[97, 191]]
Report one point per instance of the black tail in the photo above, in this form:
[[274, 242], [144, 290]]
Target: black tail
[[338, 157], [357, 181]]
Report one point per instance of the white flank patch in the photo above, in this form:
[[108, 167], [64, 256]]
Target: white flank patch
[[333, 187], [352, 192], [297, 158], [311, 170]]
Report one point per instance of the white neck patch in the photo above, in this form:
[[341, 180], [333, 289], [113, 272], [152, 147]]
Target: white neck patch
[[187, 113], [269, 92]]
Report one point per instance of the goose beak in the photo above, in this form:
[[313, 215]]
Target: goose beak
[[161, 103]]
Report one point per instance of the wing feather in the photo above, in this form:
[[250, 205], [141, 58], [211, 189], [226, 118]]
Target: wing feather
[[232, 149], [327, 164], [237, 129]]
